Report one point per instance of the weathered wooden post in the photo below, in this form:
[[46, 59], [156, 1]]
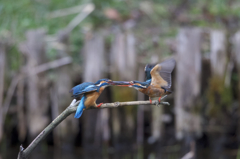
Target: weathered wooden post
[[22, 127], [188, 83], [131, 73], [219, 90], [117, 63], [34, 49], [157, 124], [140, 110], [57, 135], [2, 72], [236, 52], [218, 56], [236, 49], [94, 69], [68, 129], [219, 93], [123, 67]]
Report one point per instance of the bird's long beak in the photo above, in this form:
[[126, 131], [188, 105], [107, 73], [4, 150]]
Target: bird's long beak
[[121, 83]]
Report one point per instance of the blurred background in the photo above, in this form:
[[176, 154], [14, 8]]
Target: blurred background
[[47, 47]]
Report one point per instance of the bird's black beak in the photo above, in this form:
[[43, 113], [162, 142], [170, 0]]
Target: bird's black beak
[[121, 83]]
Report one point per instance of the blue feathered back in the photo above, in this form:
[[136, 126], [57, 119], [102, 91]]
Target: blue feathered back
[[148, 69], [78, 90]]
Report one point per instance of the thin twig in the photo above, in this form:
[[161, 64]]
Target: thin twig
[[10, 93], [52, 65], [24, 153], [81, 16], [65, 11]]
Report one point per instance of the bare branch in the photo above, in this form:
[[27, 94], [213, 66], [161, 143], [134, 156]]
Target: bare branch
[[53, 64], [23, 154], [10, 93], [2, 72], [65, 12], [81, 16]]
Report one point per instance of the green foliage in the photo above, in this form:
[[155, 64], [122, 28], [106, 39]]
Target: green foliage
[[19, 16], [235, 77], [161, 10], [98, 18], [76, 43], [238, 153], [219, 96], [123, 94]]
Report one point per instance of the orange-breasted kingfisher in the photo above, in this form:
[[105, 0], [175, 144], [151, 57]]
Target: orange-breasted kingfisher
[[158, 80], [90, 93]]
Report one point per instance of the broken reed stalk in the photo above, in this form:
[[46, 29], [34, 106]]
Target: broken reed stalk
[[24, 153]]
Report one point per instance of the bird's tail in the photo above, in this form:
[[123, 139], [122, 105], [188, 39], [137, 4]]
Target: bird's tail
[[168, 91], [80, 107]]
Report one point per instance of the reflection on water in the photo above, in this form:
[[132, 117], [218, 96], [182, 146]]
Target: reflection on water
[[125, 152]]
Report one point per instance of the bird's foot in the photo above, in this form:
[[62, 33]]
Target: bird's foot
[[158, 102], [150, 101], [99, 105]]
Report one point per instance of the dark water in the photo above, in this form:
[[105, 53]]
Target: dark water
[[127, 152]]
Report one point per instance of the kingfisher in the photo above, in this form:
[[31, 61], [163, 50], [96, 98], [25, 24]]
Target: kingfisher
[[158, 80], [90, 92]]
